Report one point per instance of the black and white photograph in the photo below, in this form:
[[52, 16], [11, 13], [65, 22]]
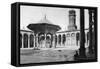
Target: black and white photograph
[[56, 34]]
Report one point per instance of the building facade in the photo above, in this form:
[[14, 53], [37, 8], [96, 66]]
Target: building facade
[[58, 41]]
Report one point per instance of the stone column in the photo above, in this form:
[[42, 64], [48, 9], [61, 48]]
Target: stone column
[[82, 35], [45, 40], [86, 38], [70, 39], [95, 32], [67, 38], [28, 40], [61, 44], [66, 43], [37, 40], [57, 41], [22, 41], [75, 39], [53, 41], [34, 41], [90, 32]]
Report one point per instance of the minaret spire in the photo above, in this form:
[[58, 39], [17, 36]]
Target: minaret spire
[[72, 20]]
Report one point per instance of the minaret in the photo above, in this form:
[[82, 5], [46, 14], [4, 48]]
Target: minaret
[[72, 20]]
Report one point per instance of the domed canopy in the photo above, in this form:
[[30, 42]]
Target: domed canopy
[[45, 26]]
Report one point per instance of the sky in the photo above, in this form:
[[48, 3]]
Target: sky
[[57, 16]]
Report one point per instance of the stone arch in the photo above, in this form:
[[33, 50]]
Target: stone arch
[[49, 40], [41, 36], [64, 38], [73, 34], [25, 40], [59, 37], [72, 39], [55, 39], [31, 40], [77, 37], [48, 36], [68, 38], [68, 35]]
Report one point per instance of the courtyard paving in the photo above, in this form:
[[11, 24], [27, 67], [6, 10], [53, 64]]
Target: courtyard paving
[[37, 56]]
